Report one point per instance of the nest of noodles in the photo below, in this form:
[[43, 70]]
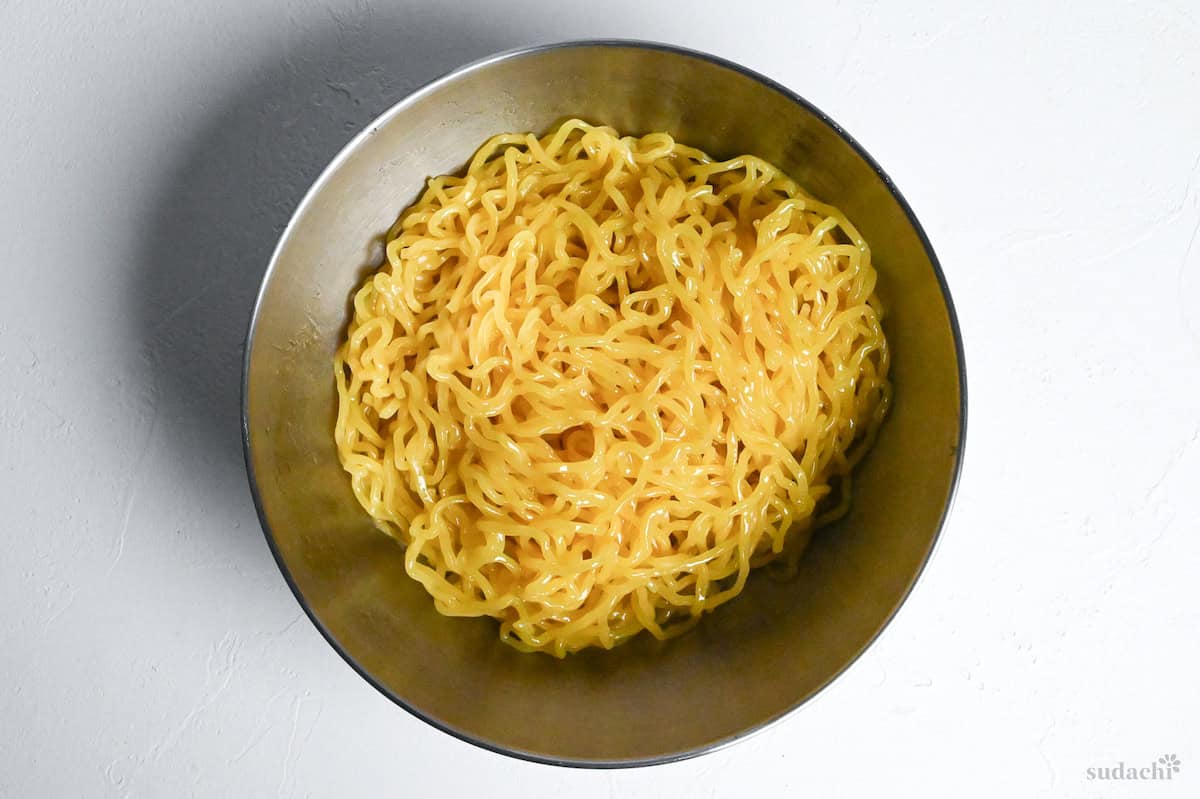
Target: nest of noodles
[[600, 379]]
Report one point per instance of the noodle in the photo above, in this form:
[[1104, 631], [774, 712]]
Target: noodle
[[601, 378]]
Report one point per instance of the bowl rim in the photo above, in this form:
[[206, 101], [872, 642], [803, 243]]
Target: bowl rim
[[399, 107]]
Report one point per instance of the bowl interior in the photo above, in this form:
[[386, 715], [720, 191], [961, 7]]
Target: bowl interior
[[749, 662]]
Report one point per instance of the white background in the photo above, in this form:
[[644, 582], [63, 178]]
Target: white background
[[152, 152]]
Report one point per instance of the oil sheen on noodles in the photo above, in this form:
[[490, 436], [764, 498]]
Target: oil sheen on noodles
[[601, 378]]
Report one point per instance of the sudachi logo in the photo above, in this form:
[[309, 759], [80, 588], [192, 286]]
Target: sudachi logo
[[1164, 768]]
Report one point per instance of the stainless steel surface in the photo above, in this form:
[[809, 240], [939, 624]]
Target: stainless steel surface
[[751, 661]]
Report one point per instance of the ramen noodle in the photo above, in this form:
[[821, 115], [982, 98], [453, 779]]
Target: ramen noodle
[[601, 378]]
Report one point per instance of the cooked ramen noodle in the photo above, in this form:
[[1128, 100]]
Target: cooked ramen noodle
[[599, 379]]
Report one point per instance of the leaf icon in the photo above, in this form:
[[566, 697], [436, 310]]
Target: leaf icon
[[1170, 762]]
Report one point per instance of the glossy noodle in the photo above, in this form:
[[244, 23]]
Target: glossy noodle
[[599, 379]]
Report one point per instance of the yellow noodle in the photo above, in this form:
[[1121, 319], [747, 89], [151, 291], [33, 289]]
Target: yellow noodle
[[600, 378]]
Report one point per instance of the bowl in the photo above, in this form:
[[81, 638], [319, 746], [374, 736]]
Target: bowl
[[750, 662]]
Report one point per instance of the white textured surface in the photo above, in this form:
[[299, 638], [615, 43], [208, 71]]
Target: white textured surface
[[149, 647]]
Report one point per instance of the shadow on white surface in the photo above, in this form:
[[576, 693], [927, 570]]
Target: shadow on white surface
[[227, 196]]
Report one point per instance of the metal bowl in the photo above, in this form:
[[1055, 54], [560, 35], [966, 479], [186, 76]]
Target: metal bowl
[[750, 662]]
